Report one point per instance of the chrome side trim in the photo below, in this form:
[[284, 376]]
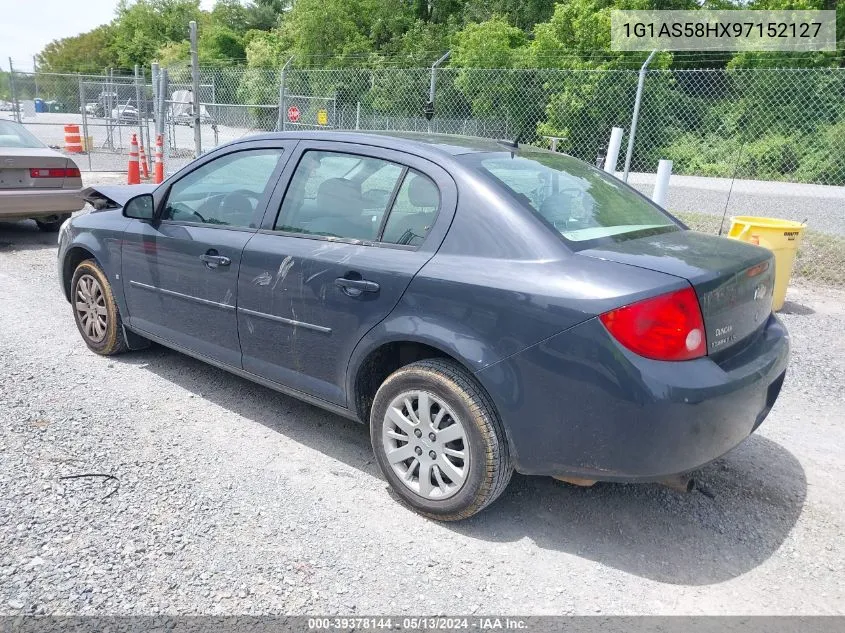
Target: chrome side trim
[[173, 293], [273, 317]]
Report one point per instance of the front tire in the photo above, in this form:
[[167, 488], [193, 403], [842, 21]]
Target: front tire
[[52, 223], [95, 310], [438, 440]]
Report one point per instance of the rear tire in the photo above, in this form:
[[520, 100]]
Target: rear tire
[[52, 223], [95, 310], [438, 440]]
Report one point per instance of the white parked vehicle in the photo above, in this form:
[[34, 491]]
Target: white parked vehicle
[[125, 113], [180, 109]]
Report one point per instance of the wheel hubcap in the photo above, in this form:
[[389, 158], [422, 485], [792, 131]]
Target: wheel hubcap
[[426, 445], [91, 308]]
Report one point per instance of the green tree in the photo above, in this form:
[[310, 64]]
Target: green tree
[[89, 52], [232, 14], [144, 26], [220, 45], [5, 88], [523, 14]]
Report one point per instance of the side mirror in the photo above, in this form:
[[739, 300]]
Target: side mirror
[[140, 207]]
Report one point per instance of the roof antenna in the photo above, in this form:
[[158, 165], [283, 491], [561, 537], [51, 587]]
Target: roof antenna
[[730, 190], [520, 136]]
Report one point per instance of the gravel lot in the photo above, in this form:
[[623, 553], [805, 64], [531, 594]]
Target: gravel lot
[[230, 498]]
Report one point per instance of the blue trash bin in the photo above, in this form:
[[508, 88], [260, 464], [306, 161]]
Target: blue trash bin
[[39, 105]]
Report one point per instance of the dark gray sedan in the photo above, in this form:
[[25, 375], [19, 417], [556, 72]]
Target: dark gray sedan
[[483, 307]]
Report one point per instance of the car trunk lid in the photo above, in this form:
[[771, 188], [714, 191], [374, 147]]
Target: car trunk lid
[[15, 166], [733, 280]]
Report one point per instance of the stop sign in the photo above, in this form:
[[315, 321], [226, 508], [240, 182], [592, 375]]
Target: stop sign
[[293, 114]]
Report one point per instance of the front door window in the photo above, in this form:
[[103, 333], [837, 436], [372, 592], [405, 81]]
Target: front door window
[[225, 191]]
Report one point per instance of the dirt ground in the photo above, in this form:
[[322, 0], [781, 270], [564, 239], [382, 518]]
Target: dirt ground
[[230, 498]]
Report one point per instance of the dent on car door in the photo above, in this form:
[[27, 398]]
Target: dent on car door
[[180, 272], [333, 259]]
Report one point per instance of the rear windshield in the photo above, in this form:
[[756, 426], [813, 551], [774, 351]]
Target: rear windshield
[[582, 203], [14, 135]]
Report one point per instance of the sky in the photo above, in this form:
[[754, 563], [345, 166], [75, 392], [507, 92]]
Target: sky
[[27, 26]]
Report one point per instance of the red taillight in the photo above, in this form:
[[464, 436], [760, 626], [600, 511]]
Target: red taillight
[[668, 327], [70, 172]]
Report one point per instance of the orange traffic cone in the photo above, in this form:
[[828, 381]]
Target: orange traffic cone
[[133, 176], [158, 173], [145, 170]]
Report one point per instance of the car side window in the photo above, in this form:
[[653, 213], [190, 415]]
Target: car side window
[[225, 191], [413, 212], [338, 195]]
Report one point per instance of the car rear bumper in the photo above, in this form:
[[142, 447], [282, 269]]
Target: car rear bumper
[[18, 204], [580, 405]]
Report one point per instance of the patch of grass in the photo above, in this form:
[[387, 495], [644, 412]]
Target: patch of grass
[[820, 259]]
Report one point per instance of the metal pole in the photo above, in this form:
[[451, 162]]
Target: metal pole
[[145, 118], [195, 76], [636, 115], [154, 80], [88, 147], [215, 111], [163, 94], [138, 104], [160, 104], [35, 75], [434, 67], [115, 97], [15, 103], [358, 116], [106, 99], [430, 104], [280, 120]]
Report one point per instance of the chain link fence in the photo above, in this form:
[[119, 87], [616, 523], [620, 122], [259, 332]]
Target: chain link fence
[[751, 124], [759, 124]]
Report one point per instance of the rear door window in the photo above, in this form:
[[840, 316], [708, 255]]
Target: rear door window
[[338, 195], [414, 211]]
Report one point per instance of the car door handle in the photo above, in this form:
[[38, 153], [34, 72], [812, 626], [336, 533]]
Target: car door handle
[[355, 287], [213, 261]]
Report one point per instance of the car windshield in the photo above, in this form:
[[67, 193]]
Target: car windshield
[[582, 203], [14, 135]]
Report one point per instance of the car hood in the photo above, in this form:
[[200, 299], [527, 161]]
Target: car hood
[[113, 196]]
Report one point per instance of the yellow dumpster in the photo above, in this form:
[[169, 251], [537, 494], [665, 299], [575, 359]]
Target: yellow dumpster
[[782, 237]]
